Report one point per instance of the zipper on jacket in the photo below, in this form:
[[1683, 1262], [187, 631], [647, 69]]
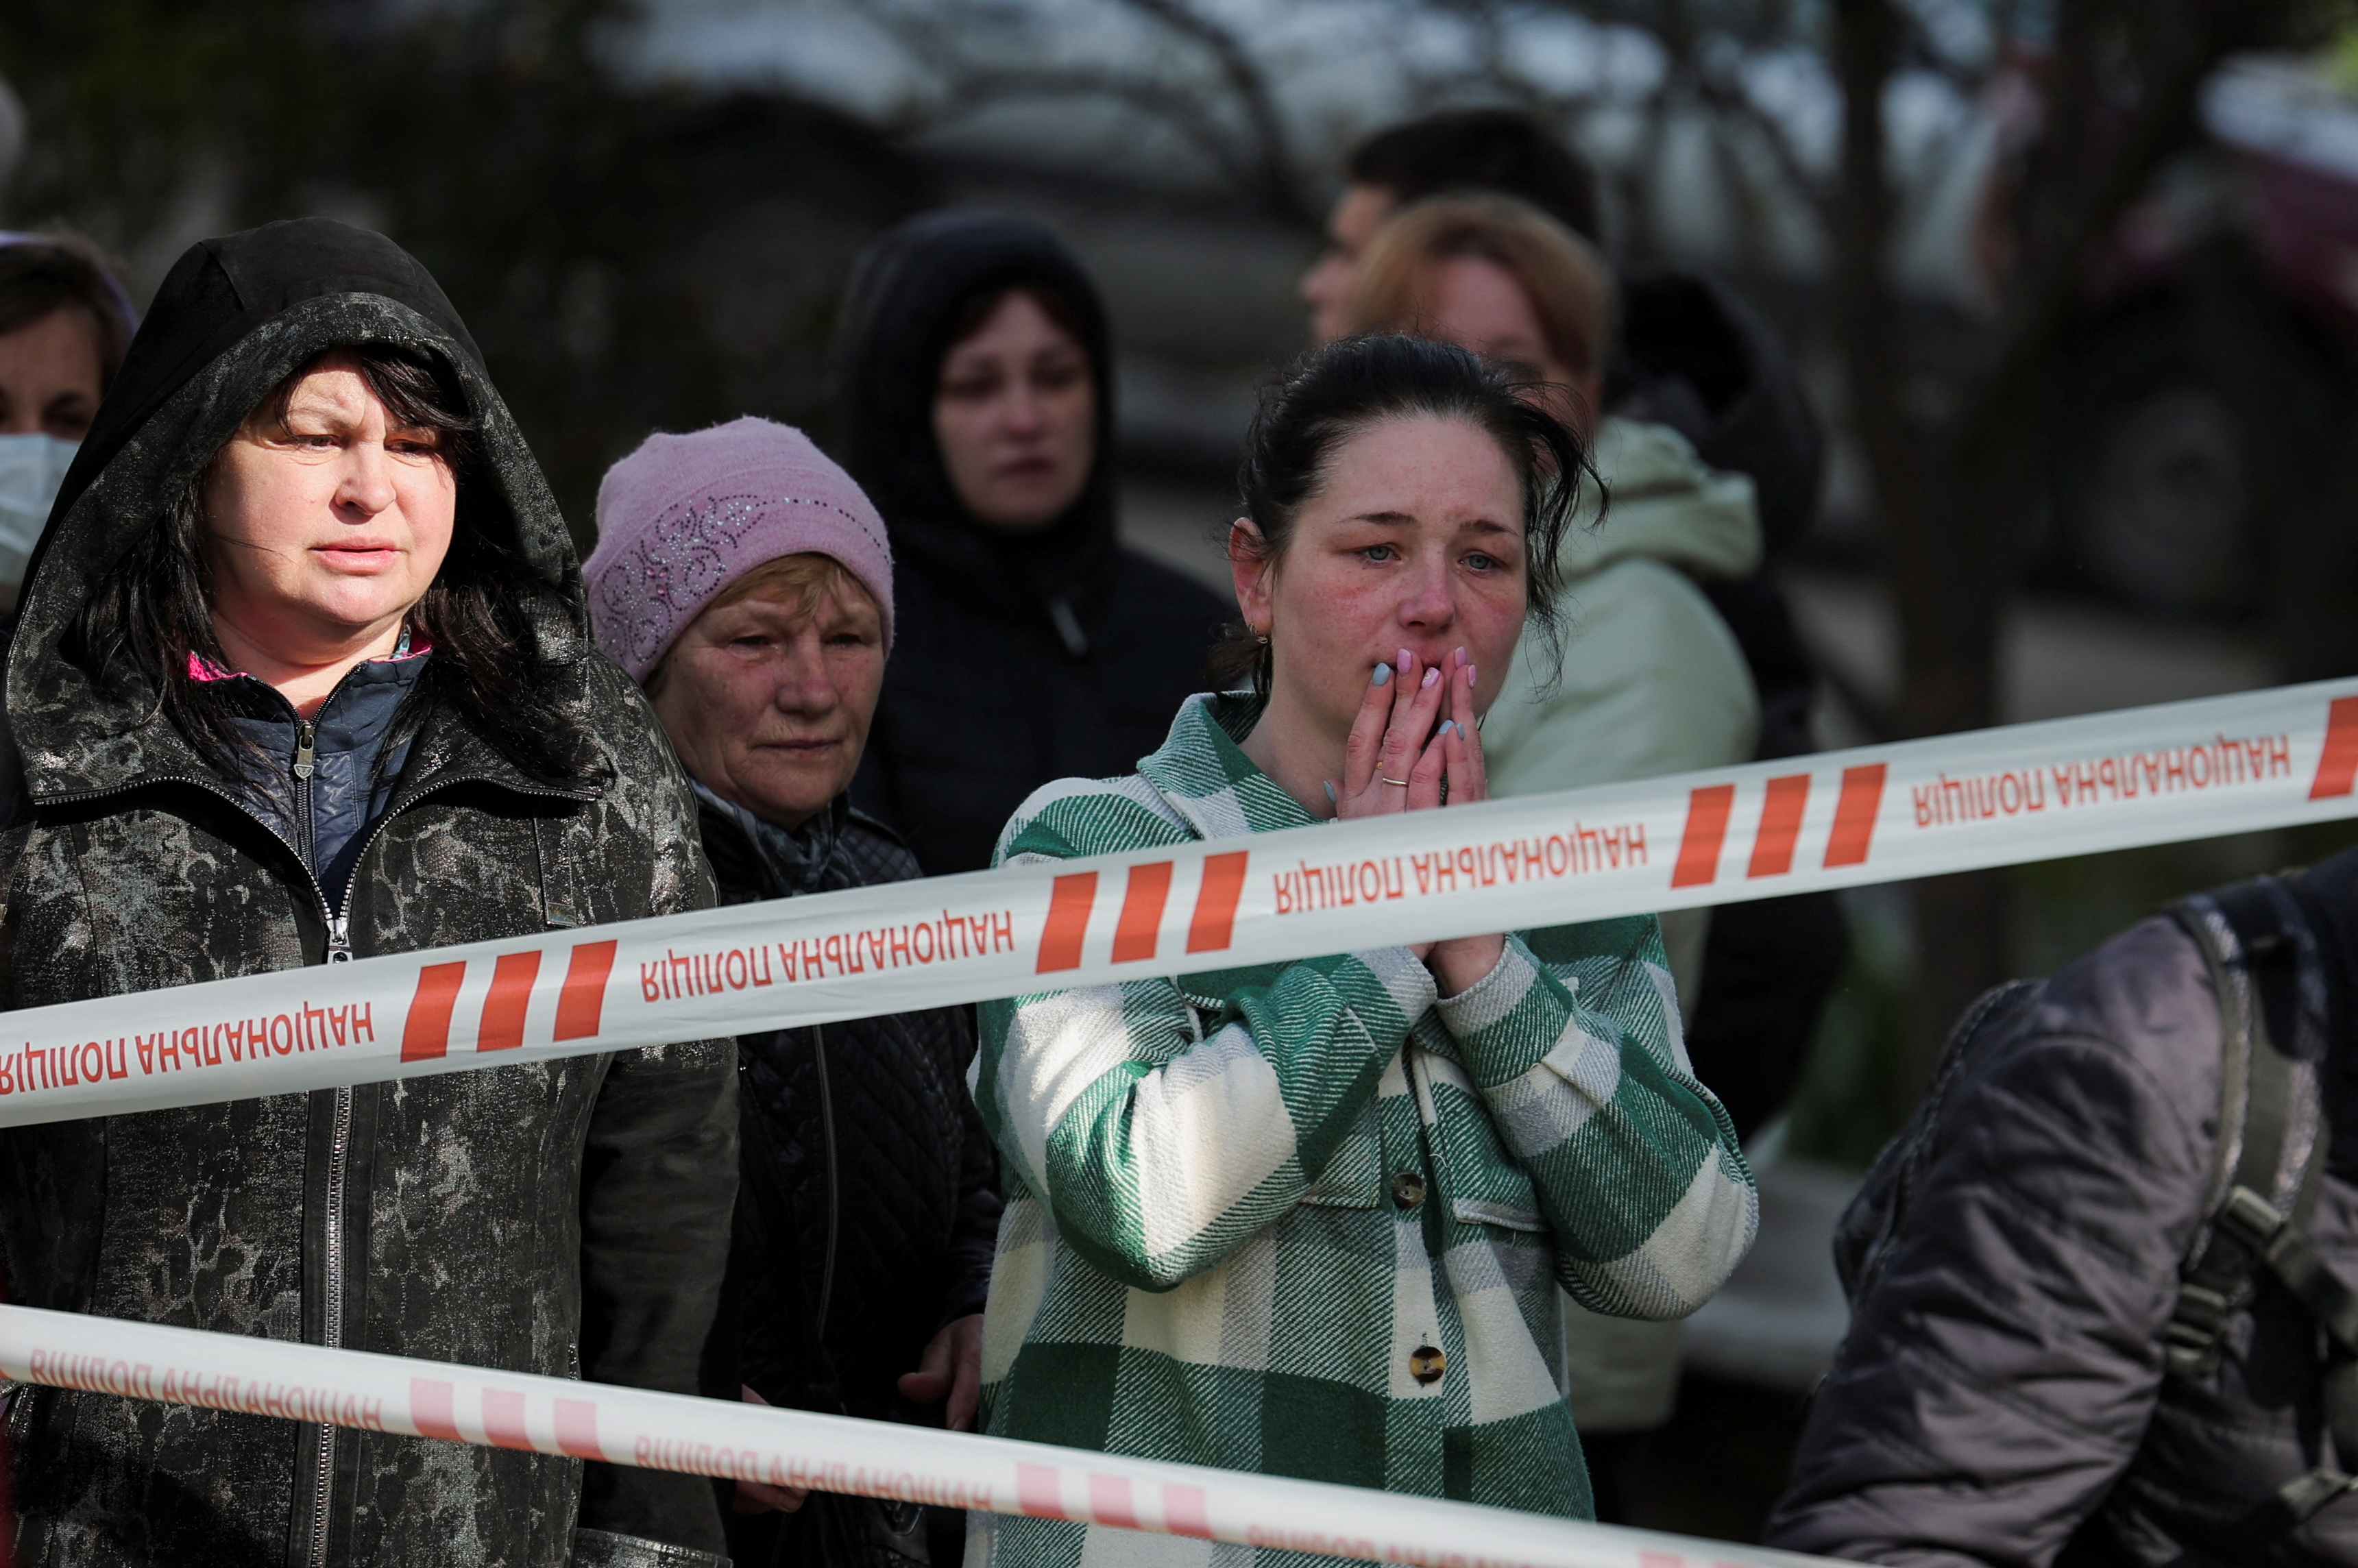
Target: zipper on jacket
[[305, 828], [331, 1243], [339, 1139], [340, 1142], [331, 1328], [340, 951], [834, 1197]]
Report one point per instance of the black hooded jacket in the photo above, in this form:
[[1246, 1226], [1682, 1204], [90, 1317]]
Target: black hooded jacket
[[1015, 660], [1698, 359], [565, 1217]]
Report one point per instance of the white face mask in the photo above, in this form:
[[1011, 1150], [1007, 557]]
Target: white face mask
[[31, 469]]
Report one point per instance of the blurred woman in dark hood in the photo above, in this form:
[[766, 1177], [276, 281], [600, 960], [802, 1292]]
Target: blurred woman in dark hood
[[974, 383], [303, 674]]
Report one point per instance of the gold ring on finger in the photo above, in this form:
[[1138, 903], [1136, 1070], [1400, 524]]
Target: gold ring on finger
[[1401, 782]]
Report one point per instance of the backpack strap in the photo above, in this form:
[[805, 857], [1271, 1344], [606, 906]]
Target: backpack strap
[[2262, 951], [2252, 938], [2282, 1248]]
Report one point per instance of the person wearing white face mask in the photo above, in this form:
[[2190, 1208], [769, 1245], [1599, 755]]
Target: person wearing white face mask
[[65, 322], [302, 674]]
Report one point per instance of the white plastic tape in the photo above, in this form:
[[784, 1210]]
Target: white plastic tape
[[1993, 797], [833, 1454]]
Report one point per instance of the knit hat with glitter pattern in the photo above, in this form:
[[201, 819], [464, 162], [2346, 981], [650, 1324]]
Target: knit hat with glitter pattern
[[684, 516]]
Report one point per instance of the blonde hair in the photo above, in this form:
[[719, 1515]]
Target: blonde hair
[[1567, 283], [803, 579]]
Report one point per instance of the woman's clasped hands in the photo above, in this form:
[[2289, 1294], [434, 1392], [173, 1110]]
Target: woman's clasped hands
[[1414, 747]]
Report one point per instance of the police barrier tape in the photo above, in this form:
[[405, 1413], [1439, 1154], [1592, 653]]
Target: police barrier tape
[[796, 1448], [1993, 797]]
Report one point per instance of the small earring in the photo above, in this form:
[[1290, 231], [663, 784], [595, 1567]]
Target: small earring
[[1263, 639]]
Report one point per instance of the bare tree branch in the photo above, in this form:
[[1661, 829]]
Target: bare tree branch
[[1247, 145], [1278, 179], [981, 88], [2087, 190], [1732, 102]]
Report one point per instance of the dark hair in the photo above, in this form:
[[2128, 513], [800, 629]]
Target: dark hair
[[1482, 149], [65, 272], [152, 613], [1331, 394], [983, 303]]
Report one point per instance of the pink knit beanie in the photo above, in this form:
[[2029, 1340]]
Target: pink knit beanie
[[684, 516]]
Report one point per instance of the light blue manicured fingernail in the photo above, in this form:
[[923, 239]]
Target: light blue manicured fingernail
[[1330, 800], [1383, 674], [1447, 725]]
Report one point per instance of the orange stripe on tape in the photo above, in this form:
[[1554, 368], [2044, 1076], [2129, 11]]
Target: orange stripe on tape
[[1781, 826], [425, 1033], [1111, 1501], [1185, 1512], [1855, 813], [430, 1411], [510, 999], [503, 1418], [1038, 1491], [2337, 764], [577, 1429], [1215, 923], [1707, 810], [1142, 911], [581, 1005], [1068, 921]]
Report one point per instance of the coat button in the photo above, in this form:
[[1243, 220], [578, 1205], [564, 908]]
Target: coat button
[[1426, 1363], [1408, 1191]]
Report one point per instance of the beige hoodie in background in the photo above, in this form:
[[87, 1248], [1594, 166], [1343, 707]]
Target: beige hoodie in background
[[1653, 683], [1652, 680]]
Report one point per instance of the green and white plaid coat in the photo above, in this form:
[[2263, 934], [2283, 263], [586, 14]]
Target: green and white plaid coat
[[1243, 1208]]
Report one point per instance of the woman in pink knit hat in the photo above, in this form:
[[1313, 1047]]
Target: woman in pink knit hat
[[744, 582]]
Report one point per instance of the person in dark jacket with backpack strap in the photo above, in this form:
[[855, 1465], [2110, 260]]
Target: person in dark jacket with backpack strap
[[2066, 1344], [974, 400], [304, 675], [747, 582]]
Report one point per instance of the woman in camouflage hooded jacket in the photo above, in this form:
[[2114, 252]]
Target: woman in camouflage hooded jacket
[[176, 820]]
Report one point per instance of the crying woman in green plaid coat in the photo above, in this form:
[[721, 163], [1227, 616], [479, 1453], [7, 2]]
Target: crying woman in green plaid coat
[[1318, 1218]]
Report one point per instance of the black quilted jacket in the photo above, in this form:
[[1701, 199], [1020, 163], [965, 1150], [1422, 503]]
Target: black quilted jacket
[[911, 1213], [566, 1218], [2001, 1400]]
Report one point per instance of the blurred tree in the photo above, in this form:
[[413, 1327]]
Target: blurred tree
[[629, 257], [1952, 465]]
